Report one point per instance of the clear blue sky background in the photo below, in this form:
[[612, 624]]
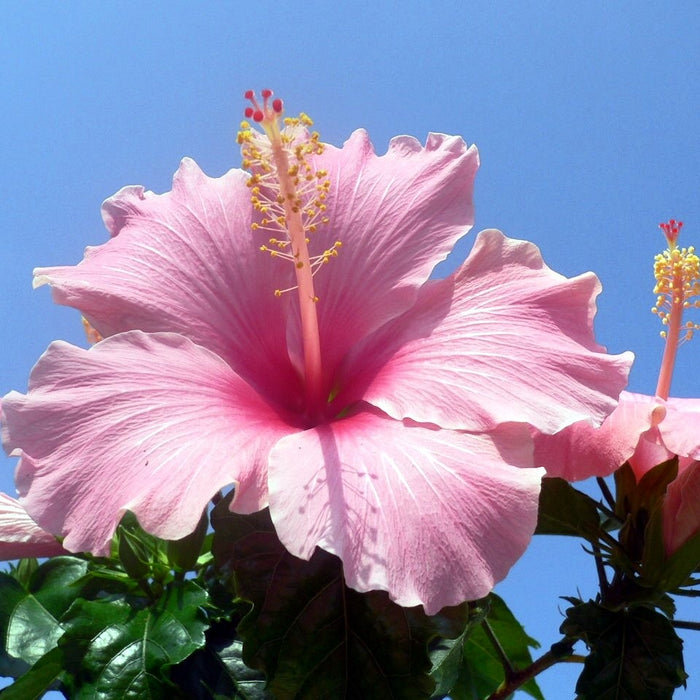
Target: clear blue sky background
[[585, 114]]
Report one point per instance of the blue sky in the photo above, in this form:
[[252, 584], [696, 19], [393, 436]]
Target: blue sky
[[585, 115]]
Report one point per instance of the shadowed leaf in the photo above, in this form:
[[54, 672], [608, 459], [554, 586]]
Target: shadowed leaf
[[311, 635], [635, 653], [218, 671], [563, 510]]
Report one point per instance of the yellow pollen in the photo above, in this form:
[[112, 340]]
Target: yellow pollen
[[677, 274], [92, 334]]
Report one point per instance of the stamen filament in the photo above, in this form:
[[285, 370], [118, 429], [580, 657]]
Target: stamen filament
[[311, 340], [668, 361], [289, 193]]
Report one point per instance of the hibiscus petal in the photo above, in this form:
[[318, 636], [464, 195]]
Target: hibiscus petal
[[682, 508], [149, 423], [504, 339], [186, 261], [397, 215], [20, 536], [680, 429], [434, 517], [650, 452], [582, 450]]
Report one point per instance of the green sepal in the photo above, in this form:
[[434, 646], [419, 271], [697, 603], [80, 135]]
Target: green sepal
[[563, 510], [23, 570], [183, 554], [142, 555], [637, 502], [133, 556], [678, 568]]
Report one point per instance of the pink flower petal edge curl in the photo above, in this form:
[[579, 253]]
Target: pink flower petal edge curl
[[431, 386], [20, 536]]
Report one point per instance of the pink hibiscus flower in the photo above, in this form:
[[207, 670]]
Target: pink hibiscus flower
[[648, 430], [382, 417], [20, 536]]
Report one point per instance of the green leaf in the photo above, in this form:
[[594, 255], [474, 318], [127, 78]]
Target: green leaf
[[218, 670], [30, 618], [635, 653], [118, 647], [447, 655], [12, 596], [58, 582], [563, 510], [311, 635], [40, 678], [482, 672]]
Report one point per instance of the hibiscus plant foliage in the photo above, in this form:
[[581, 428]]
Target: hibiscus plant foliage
[[292, 464]]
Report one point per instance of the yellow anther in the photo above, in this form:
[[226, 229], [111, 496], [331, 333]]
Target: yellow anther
[[677, 274], [91, 333]]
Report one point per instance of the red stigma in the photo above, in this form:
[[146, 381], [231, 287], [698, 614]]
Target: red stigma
[[265, 111], [671, 230]]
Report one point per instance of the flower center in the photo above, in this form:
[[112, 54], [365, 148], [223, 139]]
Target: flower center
[[677, 274], [289, 193]]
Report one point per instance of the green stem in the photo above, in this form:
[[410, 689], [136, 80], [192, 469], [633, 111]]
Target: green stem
[[519, 678], [600, 568], [500, 651], [687, 594], [685, 625], [606, 492]]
